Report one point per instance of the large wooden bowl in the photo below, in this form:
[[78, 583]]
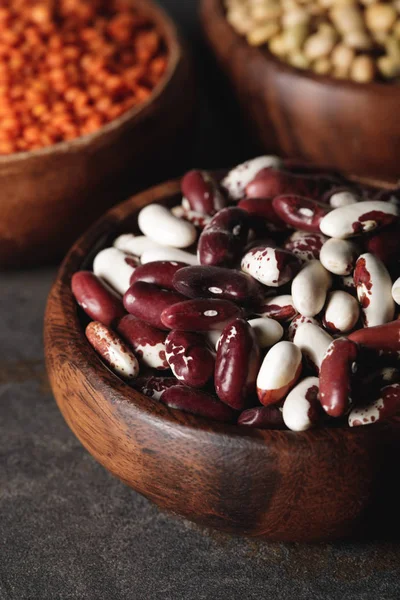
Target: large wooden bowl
[[348, 126], [279, 485], [50, 196]]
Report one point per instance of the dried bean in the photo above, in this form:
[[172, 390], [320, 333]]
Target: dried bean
[[112, 350], [98, 302], [221, 243], [374, 290], [198, 403], [268, 331], [387, 406], [163, 253], [147, 342], [115, 267], [158, 223], [313, 342], [270, 266], [341, 312], [302, 408], [147, 301], [358, 218], [237, 364], [306, 246], [199, 315], [310, 287], [299, 212], [262, 417], [262, 208], [159, 273], [337, 368], [269, 184], [279, 372], [280, 308], [154, 387], [385, 338], [238, 178], [339, 256], [189, 358], [202, 192]]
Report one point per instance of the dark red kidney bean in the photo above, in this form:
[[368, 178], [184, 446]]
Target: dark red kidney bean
[[198, 403], [299, 212], [191, 361], [159, 272], [385, 338], [147, 341], [147, 301], [222, 241], [99, 302], [385, 243], [337, 368], [269, 183], [202, 192], [153, 386], [217, 282], [200, 314], [262, 417], [262, 209], [237, 364]]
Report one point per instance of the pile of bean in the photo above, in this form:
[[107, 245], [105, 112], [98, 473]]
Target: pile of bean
[[67, 67], [347, 39], [284, 317]]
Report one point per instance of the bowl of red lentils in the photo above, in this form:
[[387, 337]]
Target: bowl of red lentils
[[95, 99], [318, 79]]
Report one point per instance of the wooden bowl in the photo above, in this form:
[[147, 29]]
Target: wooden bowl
[[50, 196], [279, 485], [348, 126]]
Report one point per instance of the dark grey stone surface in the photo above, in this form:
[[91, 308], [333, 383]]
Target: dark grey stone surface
[[70, 531]]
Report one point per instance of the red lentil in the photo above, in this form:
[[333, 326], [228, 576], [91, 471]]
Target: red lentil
[[67, 67]]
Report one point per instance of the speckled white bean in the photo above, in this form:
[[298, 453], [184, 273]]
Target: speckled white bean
[[341, 199], [341, 312], [279, 372], [310, 287], [113, 266], [238, 178], [297, 322], [167, 253], [300, 409], [339, 256], [268, 331], [135, 244], [270, 266], [279, 308], [374, 290], [396, 291], [158, 223], [113, 350], [313, 342], [354, 219]]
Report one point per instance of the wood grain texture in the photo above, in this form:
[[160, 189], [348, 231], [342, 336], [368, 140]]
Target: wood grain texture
[[340, 124], [279, 485], [50, 196]]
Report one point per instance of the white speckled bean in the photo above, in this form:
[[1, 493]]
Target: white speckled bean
[[279, 372], [339, 256], [313, 342], [279, 308], [396, 291], [238, 178], [270, 266], [354, 219], [113, 350], [166, 253], [115, 267], [374, 290], [341, 199], [341, 312], [301, 409], [297, 322], [386, 406], [310, 287], [268, 331], [158, 223]]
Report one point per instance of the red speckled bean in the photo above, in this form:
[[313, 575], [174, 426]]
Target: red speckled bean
[[382, 337], [190, 359], [147, 342], [374, 290], [112, 350], [237, 364], [153, 386], [159, 272], [300, 213], [221, 243], [269, 183], [280, 308], [306, 246], [270, 266], [337, 368], [217, 282], [99, 302], [385, 407], [202, 192], [147, 301], [200, 315], [262, 417], [198, 403], [262, 208]]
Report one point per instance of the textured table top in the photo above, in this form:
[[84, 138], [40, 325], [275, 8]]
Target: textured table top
[[69, 530]]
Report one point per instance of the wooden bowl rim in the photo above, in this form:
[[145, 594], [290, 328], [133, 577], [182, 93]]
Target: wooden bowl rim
[[376, 86], [99, 375], [169, 32]]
